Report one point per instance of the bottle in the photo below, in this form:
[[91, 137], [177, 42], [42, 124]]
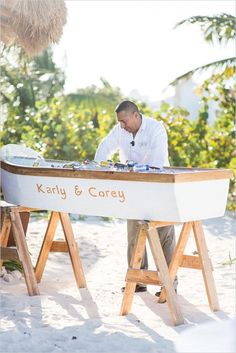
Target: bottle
[[107, 163], [131, 164], [119, 165], [39, 162], [140, 167]]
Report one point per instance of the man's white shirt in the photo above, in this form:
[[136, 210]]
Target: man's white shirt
[[150, 145]]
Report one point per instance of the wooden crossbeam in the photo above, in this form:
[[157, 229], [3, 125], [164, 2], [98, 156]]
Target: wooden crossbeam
[[17, 209], [59, 246], [143, 276], [159, 224], [189, 261], [8, 253]]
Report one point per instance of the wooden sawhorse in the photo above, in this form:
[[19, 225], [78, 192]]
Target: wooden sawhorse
[[12, 220], [164, 276], [69, 245]]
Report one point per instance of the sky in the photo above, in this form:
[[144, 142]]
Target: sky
[[133, 44]]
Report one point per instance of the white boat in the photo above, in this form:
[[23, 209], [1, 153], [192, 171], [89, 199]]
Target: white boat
[[170, 194]]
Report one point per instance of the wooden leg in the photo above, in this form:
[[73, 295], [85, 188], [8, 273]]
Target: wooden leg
[[46, 246], [206, 266], [162, 267], [73, 250], [178, 254], [5, 231], [25, 217], [135, 263], [19, 237]]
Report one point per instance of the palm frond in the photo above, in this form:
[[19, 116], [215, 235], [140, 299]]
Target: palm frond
[[219, 27], [216, 64]]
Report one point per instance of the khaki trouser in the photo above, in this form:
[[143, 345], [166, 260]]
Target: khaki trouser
[[167, 239]]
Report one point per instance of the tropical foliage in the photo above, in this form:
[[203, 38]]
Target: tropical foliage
[[37, 113], [216, 29]]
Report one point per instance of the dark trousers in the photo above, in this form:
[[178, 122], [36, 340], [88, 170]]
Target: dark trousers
[[167, 239]]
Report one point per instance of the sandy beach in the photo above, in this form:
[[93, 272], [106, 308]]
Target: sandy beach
[[67, 319]]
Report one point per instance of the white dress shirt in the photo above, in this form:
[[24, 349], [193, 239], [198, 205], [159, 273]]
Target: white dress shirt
[[150, 145]]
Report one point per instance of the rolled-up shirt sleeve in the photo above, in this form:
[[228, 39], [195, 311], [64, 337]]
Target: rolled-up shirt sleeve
[[108, 146]]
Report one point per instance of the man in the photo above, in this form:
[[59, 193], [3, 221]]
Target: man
[[144, 141]]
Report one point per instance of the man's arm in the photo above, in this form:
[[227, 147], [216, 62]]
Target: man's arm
[[108, 146]]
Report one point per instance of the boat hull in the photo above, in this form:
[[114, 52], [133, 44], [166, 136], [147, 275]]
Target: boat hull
[[130, 199]]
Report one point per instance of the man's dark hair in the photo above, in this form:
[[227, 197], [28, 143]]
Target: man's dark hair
[[126, 106]]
